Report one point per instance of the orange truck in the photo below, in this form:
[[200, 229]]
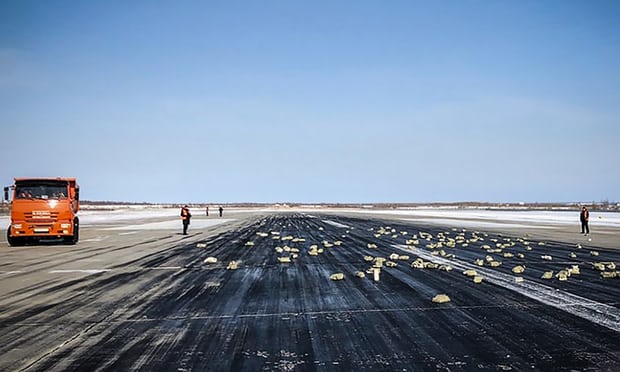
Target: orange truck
[[43, 208]]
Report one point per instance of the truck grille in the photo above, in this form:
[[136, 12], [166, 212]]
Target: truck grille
[[41, 216]]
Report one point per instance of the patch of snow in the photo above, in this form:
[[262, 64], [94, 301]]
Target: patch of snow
[[334, 223], [93, 217], [172, 225], [476, 224], [88, 271], [529, 217]]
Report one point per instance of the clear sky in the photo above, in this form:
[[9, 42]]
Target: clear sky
[[315, 101]]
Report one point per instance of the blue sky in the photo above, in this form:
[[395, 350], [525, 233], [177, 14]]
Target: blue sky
[[319, 101]]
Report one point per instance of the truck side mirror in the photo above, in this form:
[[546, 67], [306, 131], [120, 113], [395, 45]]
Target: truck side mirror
[[6, 193], [77, 193]]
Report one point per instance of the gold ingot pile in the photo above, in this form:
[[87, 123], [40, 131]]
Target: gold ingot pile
[[547, 275], [610, 274], [470, 272], [441, 298], [562, 275], [210, 260]]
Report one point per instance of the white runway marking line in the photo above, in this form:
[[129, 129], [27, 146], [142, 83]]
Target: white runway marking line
[[334, 223], [596, 312], [97, 271], [128, 233], [87, 271], [97, 239], [11, 272]]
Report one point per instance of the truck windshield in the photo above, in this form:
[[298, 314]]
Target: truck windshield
[[41, 191]]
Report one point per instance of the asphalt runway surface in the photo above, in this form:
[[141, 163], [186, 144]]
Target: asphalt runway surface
[[147, 300]]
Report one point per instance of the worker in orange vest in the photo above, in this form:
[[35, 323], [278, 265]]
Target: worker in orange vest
[[185, 216]]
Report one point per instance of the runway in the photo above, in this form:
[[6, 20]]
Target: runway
[[145, 299]]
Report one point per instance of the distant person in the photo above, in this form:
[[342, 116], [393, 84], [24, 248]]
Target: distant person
[[207, 210], [584, 216], [221, 211], [185, 217]]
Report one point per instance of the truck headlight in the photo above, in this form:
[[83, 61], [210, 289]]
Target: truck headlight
[[65, 225], [17, 225]]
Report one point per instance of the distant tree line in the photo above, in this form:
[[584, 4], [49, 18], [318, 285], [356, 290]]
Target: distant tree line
[[601, 206], [604, 205]]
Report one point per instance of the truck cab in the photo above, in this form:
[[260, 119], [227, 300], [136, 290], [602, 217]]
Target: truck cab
[[43, 208]]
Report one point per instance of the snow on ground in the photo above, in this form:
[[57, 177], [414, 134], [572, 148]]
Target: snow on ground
[[173, 225], [136, 219], [334, 223], [124, 219], [476, 224], [501, 218], [481, 218], [93, 217]]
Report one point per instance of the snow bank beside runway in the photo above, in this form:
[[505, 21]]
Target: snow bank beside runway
[[94, 217], [477, 223], [146, 219], [138, 218], [501, 218], [173, 225], [334, 223], [487, 218]]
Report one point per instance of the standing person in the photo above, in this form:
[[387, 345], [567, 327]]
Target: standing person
[[584, 216], [221, 211], [207, 211], [185, 217]]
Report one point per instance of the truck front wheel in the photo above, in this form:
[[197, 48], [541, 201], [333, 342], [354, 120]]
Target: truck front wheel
[[73, 239], [13, 241]]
